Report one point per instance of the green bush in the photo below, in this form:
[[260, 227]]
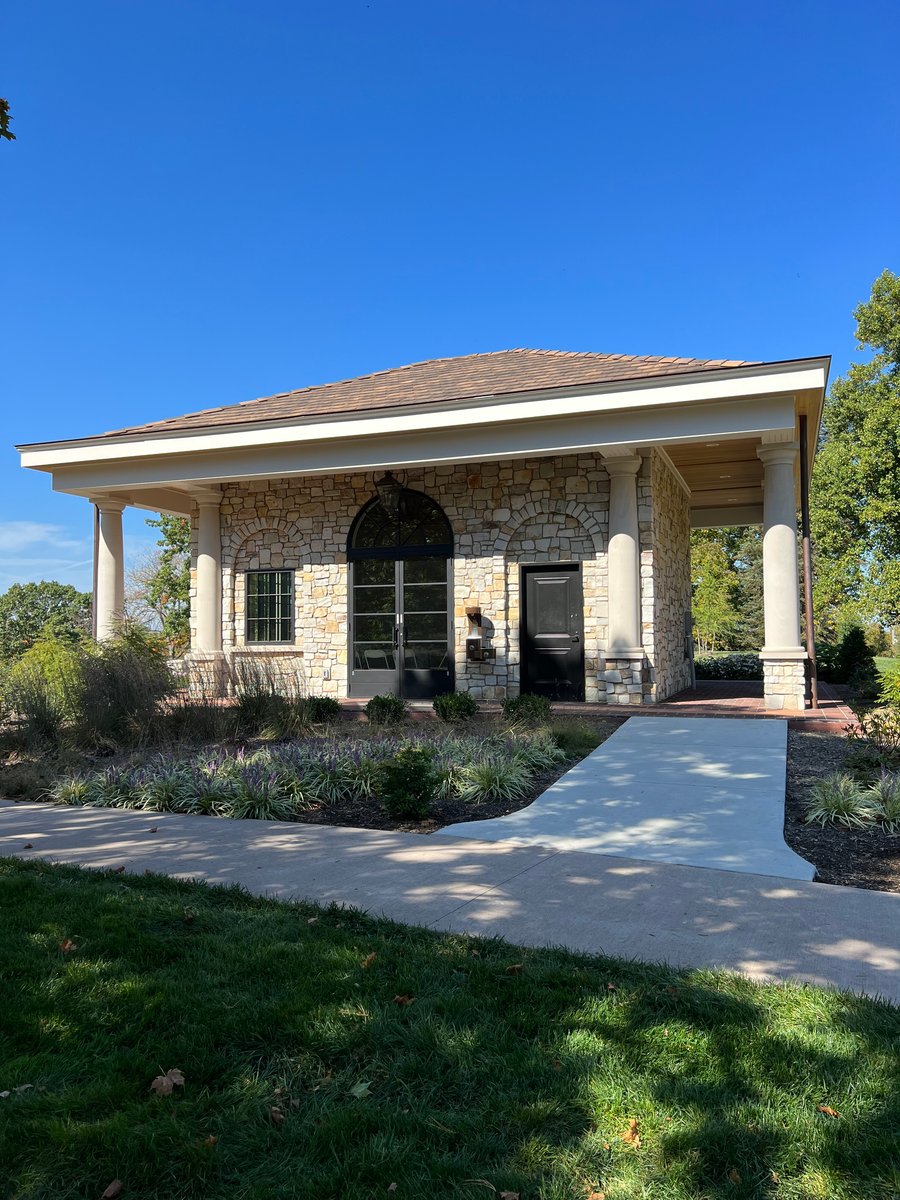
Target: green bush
[[43, 689], [386, 710], [576, 738], [455, 706], [850, 662], [839, 798], [890, 687], [119, 690], [728, 666], [527, 709], [407, 783], [495, 777], [884, 794]]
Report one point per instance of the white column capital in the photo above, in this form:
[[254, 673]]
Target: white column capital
[[778, 452], [622, 464], [106, 505], [210, 497]]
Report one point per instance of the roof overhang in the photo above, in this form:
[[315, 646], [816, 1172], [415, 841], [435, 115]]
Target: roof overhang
[[734, 405]]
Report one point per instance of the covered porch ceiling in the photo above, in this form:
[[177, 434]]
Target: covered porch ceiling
[[710, 422]]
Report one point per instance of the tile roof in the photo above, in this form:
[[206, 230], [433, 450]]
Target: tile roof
[[439, 381]]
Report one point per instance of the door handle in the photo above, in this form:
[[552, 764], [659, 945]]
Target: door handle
[[575, 637]]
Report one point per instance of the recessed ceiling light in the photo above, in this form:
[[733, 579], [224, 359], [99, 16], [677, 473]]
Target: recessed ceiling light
[[724, 476], [712, 443]]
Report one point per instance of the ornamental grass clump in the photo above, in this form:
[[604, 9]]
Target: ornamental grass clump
[[839, 798], [884, 794], [494, 777]]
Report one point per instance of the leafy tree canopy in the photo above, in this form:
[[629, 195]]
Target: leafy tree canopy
[[169, 586], [32, 611], [726, 578], [855, 500]]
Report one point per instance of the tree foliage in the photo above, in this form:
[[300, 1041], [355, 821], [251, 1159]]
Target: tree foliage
[[30, 612], [168, 586], [726, 580], [5, 118], [855, 500]]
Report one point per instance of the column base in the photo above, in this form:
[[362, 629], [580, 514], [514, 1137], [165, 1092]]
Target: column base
[[628, 681], [784, 678]]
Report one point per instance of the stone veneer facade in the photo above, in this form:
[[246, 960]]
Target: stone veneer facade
[[503, 514]]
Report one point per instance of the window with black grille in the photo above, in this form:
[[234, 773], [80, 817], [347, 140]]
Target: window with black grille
[[270, 606]]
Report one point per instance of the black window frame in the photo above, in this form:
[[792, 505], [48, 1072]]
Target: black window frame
[[292, 592]]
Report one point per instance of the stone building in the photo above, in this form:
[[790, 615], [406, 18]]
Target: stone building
[[498, 523]]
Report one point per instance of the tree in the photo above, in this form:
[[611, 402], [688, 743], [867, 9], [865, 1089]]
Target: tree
[[855, 500], [726, 574], [5, 118], [31, 611], [713, 582], [168, 584]]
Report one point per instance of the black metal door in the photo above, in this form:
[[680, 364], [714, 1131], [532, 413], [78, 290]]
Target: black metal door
[[401, 627], [552, 641]]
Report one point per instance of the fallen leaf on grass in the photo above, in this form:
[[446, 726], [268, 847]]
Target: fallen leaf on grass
[[612, 987], [556, 1064], [827, 1110], [114, 1189], [596, 1196], [67, 946], [368, 960], [117, 870], [392, 1187], [360, 1090], [165, 1085], [276, 1115], [631, 1136], [211, 1140], [734, 1175], [152, 829], [515, 969], [404, 1000], [312, 920], [509, 1196], [28, 846]]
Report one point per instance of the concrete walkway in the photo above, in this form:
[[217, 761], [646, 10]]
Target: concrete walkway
[[762, 927], [703, 792]]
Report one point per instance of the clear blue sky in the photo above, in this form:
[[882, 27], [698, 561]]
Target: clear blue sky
[[212, 201]]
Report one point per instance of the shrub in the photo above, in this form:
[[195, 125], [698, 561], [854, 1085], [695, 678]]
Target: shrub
[[455, 706], [576, 738], [884, 794], [879, 730], [42, 689], [851, 662], [890, 687], [407, 782], [526, 709], [119, 688], [323, 710], [728, 666], [259, 795], [386, 710], [839, 798], [494, 777]]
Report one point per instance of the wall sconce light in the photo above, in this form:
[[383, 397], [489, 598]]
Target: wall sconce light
[[389, 491]]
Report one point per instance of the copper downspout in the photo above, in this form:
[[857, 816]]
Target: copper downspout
[[94, 581], [807, 563]]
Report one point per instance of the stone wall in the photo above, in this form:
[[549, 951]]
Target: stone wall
[[668, 579], [503, 515]]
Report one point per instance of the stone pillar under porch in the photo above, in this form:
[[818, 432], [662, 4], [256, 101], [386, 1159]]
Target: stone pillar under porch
[[626, 671], [783, 656]]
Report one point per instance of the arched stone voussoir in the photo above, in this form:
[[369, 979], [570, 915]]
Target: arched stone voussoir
[[560, 508]]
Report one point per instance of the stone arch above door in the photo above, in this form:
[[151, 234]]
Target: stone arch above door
[[532, 512]]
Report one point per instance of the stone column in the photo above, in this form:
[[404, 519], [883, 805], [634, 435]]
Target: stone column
[[783, 656], [109, 571], [209, 577], [625, 668]]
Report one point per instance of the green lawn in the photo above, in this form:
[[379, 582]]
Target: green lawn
[[509, 1071], [886, 665]]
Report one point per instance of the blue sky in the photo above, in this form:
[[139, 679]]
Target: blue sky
[[212, 201]]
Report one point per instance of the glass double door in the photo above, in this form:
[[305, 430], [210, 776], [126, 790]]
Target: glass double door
[[401, 627]]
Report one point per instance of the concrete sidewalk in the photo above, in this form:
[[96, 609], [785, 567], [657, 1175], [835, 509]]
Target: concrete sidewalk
[[703, 792], [763, 927]]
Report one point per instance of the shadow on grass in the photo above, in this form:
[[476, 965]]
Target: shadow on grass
[[443, 1064]]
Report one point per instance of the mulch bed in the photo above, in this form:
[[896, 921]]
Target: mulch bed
[[862, 858]]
